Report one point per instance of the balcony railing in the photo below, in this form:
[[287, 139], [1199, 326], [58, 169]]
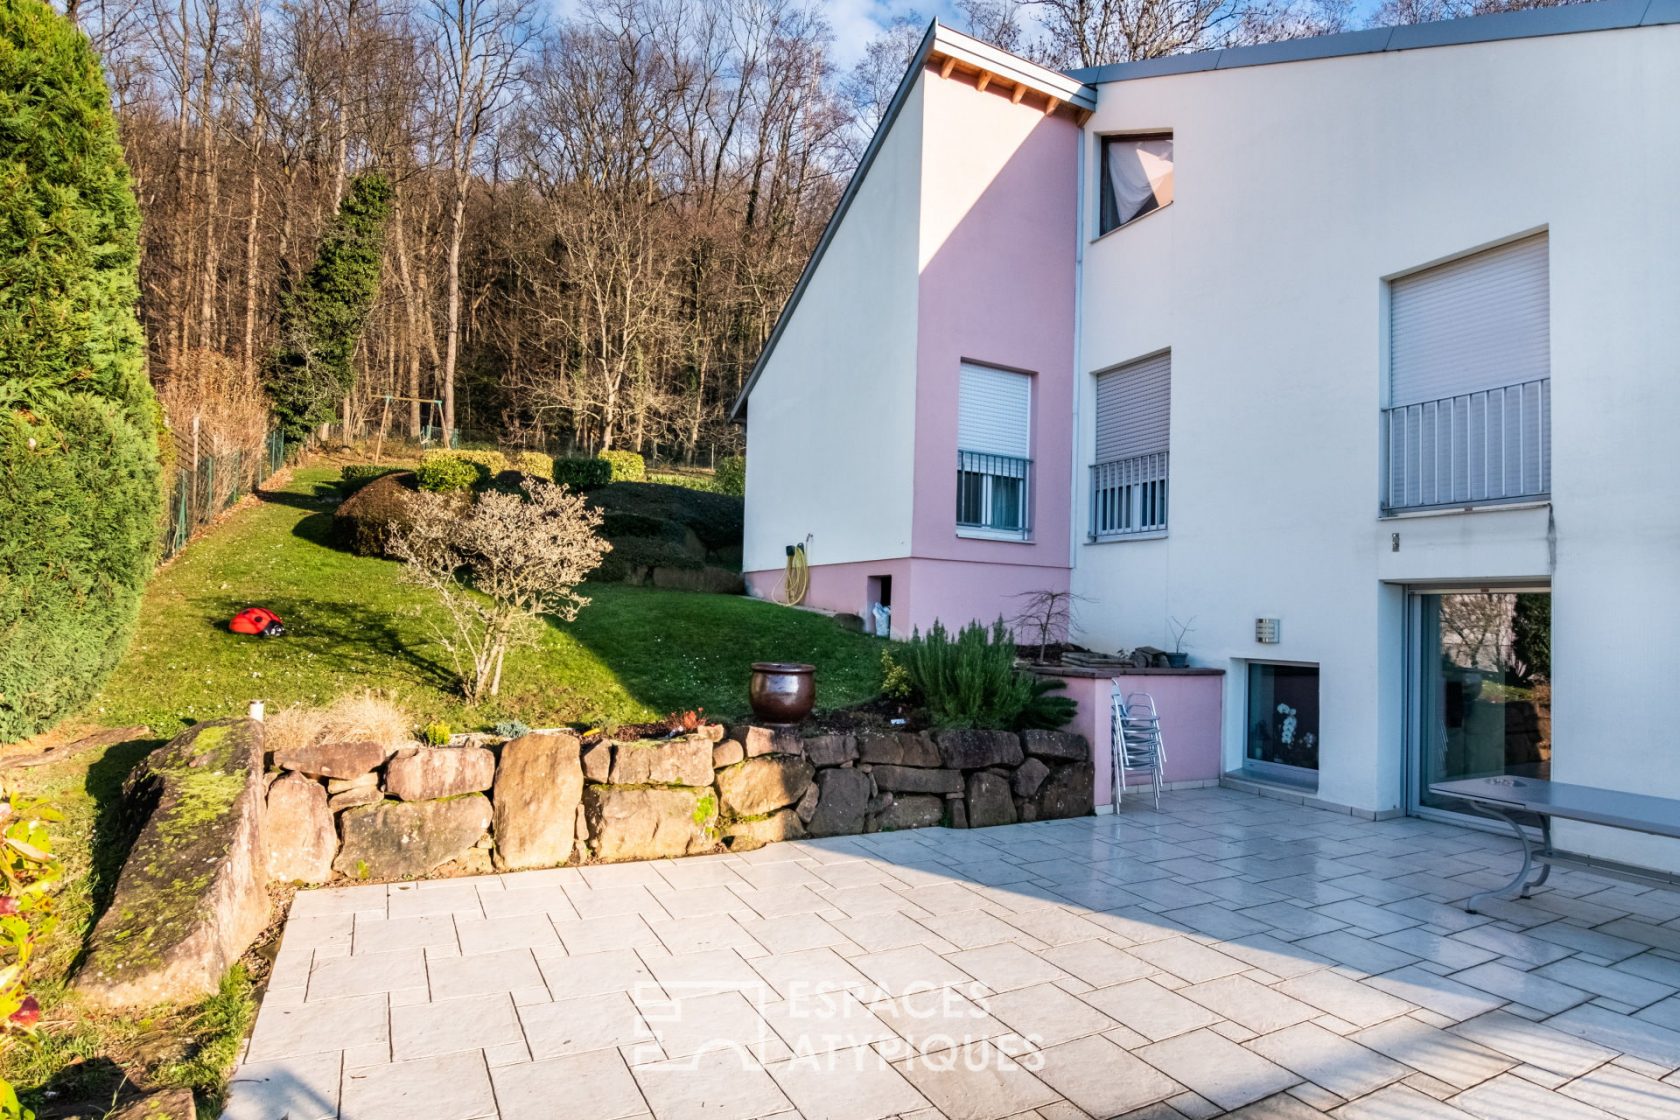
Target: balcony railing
[[1129, 496], [993, 494], [1472, 449]]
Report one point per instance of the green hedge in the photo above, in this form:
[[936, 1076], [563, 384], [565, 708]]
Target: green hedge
[[627, 466], [442, 475], [79, 494], [80, 501], [582, 474], [354, 476], [533, 463], [731, 475]]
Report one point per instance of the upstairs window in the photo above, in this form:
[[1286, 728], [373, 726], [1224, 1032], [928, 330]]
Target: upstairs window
[[994, 426], [1469, 411], [1129, 475], [1137, 177]]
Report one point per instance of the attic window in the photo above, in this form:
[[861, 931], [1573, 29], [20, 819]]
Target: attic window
[[1137, 177]]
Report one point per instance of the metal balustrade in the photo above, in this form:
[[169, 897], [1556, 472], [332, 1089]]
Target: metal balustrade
[[993, 493], [1129, 496], [1474, 448]]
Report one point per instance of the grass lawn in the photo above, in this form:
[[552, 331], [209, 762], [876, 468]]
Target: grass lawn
[[634, 654]]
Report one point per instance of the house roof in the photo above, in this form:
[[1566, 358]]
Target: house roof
[[1076, 89], [954, 51], [1604, 15]]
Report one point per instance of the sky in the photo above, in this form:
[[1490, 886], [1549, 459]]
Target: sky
[[855, 22]]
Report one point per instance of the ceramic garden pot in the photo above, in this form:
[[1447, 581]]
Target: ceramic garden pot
[[782, 691]]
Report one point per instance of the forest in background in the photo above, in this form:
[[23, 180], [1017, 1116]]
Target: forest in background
[[594, 218]]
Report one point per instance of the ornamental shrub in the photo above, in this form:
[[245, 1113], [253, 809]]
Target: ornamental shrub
[[535, 464], [364, 521], [354, 476], [972, 681], [582, 474], [626, 466], [443, 475], [731, 475], [80, 501]]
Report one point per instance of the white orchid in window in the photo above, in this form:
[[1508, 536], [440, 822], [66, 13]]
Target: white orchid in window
[[1286, 735]]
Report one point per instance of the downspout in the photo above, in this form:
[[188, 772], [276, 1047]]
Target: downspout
[[1079, 510]]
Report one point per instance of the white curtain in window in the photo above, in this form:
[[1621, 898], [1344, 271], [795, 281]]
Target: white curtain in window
[[1140, 175]]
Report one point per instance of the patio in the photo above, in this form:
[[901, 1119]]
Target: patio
[[1228, 955]]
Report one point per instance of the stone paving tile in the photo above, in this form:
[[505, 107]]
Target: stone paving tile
[[573, 1026], [302, 1088], [1449, 1058], [593, 1086], [1254, 1006], [976, 1081], [1150, 1010], [1045, 1015], [367, 974], [1508, 1096], [1527, 988], [452, 1087], [427, 1030], [1626, 1094], [1338, 1064], [1101, 1079], [1216, 1068], [716, 1085], [1229, 937], [874, 1090]]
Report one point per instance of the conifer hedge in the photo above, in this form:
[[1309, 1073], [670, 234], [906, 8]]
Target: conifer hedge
[[80, 500]]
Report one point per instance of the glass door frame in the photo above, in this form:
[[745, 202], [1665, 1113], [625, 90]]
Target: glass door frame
[[1414, 666]]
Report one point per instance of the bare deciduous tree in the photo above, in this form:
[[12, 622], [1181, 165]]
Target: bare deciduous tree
[[497, 565]]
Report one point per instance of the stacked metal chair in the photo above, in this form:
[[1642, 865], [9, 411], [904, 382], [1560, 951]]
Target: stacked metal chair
[[1136, 735]]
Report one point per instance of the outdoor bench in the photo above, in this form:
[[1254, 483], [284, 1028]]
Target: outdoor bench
[[1505, 797]]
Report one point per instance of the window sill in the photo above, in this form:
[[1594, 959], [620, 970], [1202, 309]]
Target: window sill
[[993, 535], [1540, 502], [1128, 225], [1122, 538]]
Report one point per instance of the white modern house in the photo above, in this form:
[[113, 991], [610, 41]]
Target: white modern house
[[1361, 354]]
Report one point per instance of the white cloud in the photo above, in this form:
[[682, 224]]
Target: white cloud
[[855, 22]]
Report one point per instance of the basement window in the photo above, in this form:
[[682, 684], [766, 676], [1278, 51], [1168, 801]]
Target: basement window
[[1137, 177]]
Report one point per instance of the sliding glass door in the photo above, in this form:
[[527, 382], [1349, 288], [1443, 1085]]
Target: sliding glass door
[[1481, 686]]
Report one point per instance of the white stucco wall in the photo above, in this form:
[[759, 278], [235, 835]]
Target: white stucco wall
[[832, 418], [1299, 188]]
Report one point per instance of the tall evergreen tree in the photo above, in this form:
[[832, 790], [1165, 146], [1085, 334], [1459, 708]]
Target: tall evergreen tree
[[80, 503], [321, 321]]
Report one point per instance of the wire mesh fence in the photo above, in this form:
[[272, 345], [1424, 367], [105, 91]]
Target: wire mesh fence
[[212, 482]]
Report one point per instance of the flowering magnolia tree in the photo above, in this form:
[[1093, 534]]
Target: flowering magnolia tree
[[498, 563], [27, 874]]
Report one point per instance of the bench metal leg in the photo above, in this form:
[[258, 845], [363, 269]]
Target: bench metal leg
[[1520, 884]]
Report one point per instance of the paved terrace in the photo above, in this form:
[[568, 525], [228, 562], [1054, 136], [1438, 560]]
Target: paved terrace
[[1226, 956]]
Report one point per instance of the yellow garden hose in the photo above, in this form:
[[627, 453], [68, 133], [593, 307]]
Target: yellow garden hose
[[798, 579]]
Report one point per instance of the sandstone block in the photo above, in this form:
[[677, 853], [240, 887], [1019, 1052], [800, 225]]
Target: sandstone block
[[649, 823], [744, 836], [727, 753], [333, 760], [673, 762], [301, 838], [906, 779], [762, 785], [975, 750], [403, 839], [989, 800], [843, 800], [912, 811], [1060, 746], [428, 773], [831, 750], [539, 786], [1028, 777]]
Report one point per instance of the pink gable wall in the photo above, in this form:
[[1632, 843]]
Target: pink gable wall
[[999, 217]]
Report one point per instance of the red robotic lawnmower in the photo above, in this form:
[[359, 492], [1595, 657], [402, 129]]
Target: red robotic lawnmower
[[259, 622]]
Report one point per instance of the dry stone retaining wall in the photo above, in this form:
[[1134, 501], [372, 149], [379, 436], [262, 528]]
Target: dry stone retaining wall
[[364, 812]]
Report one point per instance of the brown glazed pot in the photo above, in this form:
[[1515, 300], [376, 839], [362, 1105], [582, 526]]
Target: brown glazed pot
[[782, 691]]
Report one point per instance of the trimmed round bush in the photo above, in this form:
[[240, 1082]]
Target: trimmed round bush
[[354, 476], [535, 464], [582, 474], [364, 521], [80, 503], [442, 475], [79, 499], [626, 466]]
